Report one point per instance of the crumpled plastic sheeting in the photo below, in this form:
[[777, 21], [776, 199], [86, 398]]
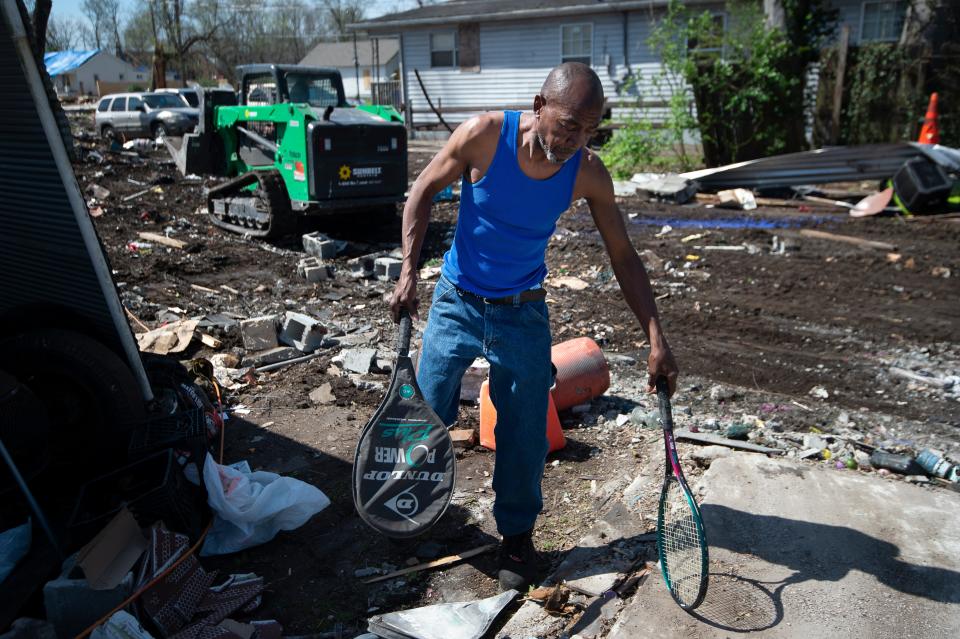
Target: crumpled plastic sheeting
[[250, 508], [464, 620], [14, 545]]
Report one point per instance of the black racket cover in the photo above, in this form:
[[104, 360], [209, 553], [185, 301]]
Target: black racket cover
[[404, 468]]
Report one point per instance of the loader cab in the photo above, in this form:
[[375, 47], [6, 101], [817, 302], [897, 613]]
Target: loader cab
[[263, 84]]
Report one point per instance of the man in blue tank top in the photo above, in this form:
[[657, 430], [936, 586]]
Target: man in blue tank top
[[519, 172]]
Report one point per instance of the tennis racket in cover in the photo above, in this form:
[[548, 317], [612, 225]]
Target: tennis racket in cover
[[681, 541]]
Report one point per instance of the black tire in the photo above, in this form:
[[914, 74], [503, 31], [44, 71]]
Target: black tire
[[108, 133], [272, 193], [159, 130], [92, 398]]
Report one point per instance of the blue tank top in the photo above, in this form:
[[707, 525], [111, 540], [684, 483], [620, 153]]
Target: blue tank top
[[506, 220]]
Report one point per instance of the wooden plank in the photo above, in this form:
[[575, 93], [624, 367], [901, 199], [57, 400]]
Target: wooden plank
[[162, 239], [704, 438], [848, 239], [838, 84], [204, 289], [209, 340], [434, 564]]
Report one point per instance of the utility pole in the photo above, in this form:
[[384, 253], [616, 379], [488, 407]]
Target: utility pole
[[356, 64]]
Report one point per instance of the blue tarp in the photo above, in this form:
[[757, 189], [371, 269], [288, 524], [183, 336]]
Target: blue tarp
[[58, 62]]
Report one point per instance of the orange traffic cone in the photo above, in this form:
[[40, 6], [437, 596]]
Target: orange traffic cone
[[930, 132]]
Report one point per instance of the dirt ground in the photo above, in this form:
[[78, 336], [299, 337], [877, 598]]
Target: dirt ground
[[754, 332]]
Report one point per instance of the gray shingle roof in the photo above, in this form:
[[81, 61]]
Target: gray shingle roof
[[340, 54]]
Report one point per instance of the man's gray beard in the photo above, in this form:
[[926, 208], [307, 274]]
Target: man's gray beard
[[551, 156]]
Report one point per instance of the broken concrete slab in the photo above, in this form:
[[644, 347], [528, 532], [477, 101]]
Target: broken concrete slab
[[786, 538], [671, 188], [270, 356], [323, 394], [259, 333], [463, 437], [359, 360]]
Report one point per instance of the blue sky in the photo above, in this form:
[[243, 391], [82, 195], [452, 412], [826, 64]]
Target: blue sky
[[72, 8]]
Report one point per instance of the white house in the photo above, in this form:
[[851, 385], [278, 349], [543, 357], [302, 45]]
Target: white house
[[79, 72], [370, 67], [478, 55]]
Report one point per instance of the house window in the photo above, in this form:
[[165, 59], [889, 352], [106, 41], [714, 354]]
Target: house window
[[712, 41], [576, 43], [882, 20], [443, 49], [120, 76], [96, 78]]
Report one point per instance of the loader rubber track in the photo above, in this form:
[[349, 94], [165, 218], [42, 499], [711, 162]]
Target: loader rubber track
[[263, 213]]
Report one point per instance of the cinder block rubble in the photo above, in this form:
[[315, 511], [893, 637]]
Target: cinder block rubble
[[319, 245], [302, 332], [313, 270], [387, 268], [259, 333]]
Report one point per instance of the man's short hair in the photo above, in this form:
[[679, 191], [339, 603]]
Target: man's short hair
[[575, 84]]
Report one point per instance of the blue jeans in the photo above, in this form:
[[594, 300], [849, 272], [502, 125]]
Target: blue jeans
[[515, 339]]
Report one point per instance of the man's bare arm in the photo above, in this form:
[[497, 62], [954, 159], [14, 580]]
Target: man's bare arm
[[446, 166], [595, 185]]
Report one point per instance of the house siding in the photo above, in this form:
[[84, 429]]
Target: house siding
[[512, 75], [515, 57]]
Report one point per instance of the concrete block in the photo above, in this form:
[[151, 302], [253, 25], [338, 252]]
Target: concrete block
[[72, 605], [313, 270], [259, 333], [359, 360], [463, 437], [387, 268], [271, 356], [302, 332], [363, 266], [319, 245]]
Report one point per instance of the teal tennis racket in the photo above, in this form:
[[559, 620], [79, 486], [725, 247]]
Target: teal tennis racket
[[681, 541]]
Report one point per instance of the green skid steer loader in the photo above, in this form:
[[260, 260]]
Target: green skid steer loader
[[292, 146]]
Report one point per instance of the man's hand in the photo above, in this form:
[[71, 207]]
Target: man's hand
[[405, 296], [661, 364]]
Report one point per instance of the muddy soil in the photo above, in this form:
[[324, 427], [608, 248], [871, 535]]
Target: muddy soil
[[767, 325]]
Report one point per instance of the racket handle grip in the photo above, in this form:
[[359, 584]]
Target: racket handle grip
[[406, 326], [663, 394]]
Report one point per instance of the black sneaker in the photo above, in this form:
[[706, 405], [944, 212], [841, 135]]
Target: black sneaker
[[519, 562]]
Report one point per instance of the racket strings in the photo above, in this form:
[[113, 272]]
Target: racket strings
[[682, 546]]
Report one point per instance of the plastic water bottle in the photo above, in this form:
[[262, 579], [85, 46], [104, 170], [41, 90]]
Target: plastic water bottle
[[937, 466]]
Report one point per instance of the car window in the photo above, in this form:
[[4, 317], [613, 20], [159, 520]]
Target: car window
[[163, 101], [134, 103], [118, 104], [191, 98], [104, 105]]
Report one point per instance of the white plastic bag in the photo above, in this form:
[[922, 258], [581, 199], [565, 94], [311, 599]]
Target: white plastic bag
[[251, 507]]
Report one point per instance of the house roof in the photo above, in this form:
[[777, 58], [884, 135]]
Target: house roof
[[58, 62], [340, 54], [492, 10]]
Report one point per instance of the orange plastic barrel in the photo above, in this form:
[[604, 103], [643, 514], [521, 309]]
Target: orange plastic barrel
[[582, 372], [488, 419]]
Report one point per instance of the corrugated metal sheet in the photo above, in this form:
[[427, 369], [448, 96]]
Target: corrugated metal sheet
[[832, 164], [58, 62], [50, 257]]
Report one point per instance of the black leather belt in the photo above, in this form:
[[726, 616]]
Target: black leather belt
[[529, 295]]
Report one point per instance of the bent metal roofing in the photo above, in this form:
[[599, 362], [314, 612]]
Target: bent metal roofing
[[58, 62]]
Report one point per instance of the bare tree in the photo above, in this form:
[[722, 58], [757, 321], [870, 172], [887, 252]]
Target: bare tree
[[343, 12], [65, 33], [103, 16]]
